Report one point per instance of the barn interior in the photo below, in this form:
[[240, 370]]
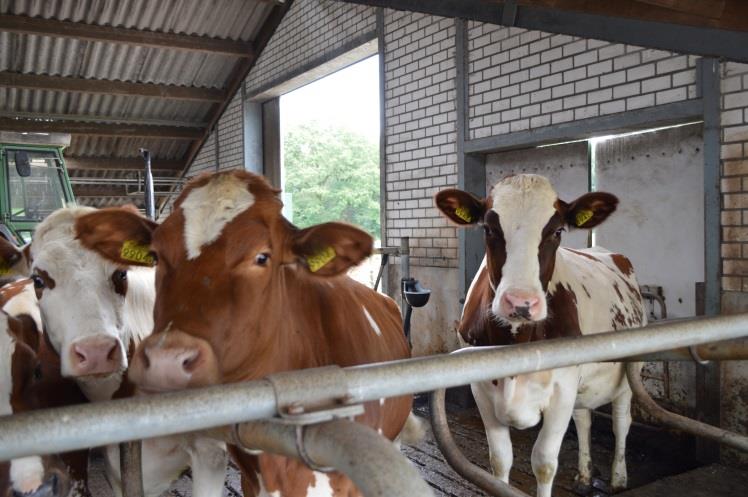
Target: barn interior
[[647, 99]]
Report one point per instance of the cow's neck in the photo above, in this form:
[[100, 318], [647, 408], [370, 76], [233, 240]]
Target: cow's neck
[[479, 327]]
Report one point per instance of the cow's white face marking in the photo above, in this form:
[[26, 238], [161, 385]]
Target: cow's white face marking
[[83, 302], [208, 209], [524, 204], [373, 323]]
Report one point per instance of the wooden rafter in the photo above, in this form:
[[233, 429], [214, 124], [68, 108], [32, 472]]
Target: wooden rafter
[[82, 85], [93, 32], [94, 129], [131, 164]]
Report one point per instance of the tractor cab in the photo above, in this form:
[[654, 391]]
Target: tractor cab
[[34, 181]]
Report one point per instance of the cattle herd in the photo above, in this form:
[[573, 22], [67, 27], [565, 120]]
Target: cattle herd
[[108, 304]]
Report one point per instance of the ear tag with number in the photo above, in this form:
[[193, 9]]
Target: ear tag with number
[[583, 216], [464, 213], [135, 252], [320, 259], [4, 268]]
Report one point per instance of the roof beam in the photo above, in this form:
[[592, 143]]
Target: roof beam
[[94, 32], [122, 164], [239, 73], [681, 38], [91, 118], [93, 129], [82, 85]]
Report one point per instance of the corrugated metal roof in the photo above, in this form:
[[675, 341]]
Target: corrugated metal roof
[[238, 20]]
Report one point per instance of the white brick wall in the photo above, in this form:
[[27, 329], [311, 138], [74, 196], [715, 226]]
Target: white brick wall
[[522, 80], [421, 133], [310, 31]]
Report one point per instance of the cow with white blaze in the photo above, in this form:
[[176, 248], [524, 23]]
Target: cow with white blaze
[[529, 288], [241, 293], [30, 379], [95, 312]]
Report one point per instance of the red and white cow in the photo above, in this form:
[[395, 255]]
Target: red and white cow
[[527, 289], [241, 293], [30, 379], [95, 313]]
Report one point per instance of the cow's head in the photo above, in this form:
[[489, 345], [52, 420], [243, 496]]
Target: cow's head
[[222, 256], [22, 377], [523, 220], [86, 300]]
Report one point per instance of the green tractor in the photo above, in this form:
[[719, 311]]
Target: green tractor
[[34, 181]]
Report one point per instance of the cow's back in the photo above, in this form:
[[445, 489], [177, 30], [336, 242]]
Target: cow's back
[[604, 287]]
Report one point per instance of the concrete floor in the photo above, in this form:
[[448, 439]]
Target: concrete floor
[[652, 455]]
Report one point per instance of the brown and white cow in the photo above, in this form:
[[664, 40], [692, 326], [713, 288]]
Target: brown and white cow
[[241, 293], [30, 379], [95, 312], [529, 288]]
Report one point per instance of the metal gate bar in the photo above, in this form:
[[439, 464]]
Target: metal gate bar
[[69, 428]]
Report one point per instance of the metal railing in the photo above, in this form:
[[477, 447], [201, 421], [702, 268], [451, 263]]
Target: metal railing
[[68, 428]]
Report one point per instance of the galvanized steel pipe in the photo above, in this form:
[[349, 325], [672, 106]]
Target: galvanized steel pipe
[[454, 456], [677, 421], [371, 461], [728, 350], [131, 469], [69, 428]]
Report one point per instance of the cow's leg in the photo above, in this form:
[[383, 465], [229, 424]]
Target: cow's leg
[[621, 425], [583, 422], [208, 459], [499, 442], [556, 419]]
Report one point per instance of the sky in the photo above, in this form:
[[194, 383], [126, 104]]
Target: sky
[[348, 98]]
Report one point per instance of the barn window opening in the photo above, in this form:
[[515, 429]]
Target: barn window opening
[[330, 152]]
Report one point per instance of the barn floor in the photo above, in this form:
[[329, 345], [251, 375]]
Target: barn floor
[[652, 456]]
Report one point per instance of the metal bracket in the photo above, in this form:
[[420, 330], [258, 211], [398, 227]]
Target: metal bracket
[[509, 13], [300, 408]]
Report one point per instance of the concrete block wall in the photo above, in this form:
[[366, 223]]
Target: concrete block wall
[[310, 32], [421, 130], [522, 79]]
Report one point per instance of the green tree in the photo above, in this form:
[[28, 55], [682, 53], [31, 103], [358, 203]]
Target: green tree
[[333, 175]]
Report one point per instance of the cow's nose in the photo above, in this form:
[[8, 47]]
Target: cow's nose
[[520, 304], [96, 355], [173, 362]]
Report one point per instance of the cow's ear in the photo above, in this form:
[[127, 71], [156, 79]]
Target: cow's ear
[[330, 249], [119, 234], [590, 209], [23, 328], [460, 207], [13, 260]]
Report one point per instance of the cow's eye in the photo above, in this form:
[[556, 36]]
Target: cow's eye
[[38, 281], [559, 231], [262, 258]]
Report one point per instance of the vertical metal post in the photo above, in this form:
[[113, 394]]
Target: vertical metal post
[[708, 383], [471, 170], [382, 143], [130, 465], [150, 201], [404, 270]]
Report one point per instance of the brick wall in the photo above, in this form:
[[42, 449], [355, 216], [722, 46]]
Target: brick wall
[[734, 152], [421, 133], [310, 31], [522, 79]]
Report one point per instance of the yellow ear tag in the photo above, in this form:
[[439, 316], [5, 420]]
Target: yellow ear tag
[[583, 216], [134, 252], [464, 213], [4, 268], [317, 261]]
